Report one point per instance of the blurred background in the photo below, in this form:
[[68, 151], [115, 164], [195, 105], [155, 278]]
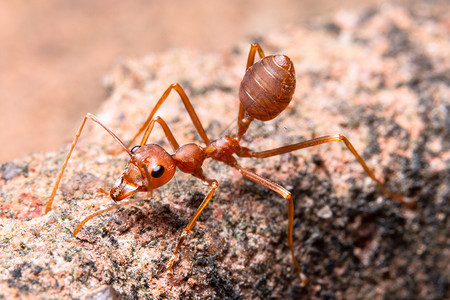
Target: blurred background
[[54, 53]]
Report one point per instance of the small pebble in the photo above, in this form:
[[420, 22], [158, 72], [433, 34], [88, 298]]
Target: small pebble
[[325, 212]]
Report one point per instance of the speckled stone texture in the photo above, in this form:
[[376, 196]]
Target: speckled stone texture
[[381, 77]]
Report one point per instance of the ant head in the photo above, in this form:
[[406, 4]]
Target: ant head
[[150, 167]]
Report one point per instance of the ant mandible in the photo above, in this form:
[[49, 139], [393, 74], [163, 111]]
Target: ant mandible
[[266, 90]]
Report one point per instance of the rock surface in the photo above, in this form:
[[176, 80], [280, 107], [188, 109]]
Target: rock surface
[[380, 77]]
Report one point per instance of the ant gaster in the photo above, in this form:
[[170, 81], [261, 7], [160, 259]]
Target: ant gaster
[[266, 90]]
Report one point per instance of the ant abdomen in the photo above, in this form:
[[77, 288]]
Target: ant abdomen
[[268, 87]]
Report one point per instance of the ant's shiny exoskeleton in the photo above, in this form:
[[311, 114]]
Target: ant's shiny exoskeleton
[[266, 90]]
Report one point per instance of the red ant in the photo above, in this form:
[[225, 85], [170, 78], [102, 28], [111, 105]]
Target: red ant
[[266, 90]]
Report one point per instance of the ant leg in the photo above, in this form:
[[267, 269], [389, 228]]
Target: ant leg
[[251, 55], [244, 121], [245, 152], [213, 184], [285, 194], [166, 129], [93, 118], [187, 105], [79, 226]]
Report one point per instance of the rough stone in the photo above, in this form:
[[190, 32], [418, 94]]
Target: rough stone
[[380, 77]]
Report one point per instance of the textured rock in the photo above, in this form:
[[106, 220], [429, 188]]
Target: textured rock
[[380, 77]]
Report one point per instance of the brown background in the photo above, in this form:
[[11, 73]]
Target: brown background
[[53, 54]]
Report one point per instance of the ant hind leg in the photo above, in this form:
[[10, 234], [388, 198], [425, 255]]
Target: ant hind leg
[[243, 121], [245, 152]]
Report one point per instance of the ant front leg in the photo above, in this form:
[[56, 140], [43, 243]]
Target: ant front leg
[[149, 129], [245, 152], [213, 184], [97, 213], [93, 118], [189, 108]]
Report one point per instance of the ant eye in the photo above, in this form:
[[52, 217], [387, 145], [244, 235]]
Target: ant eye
[[134, 149], [158, 171]]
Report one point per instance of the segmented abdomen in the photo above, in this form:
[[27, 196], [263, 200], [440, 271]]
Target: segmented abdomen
[[268, 87]]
